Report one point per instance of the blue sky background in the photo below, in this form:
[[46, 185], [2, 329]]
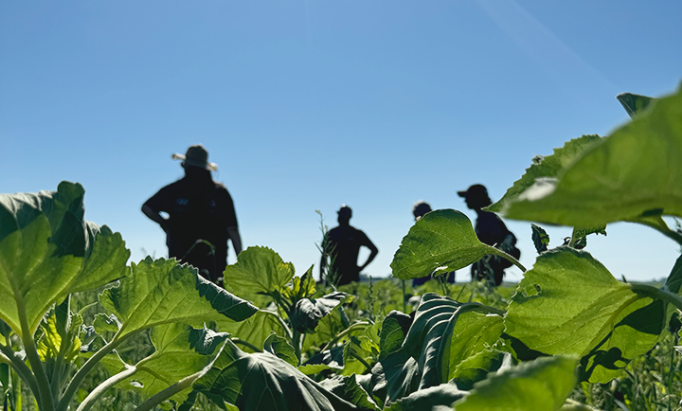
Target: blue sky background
[[306, 105]]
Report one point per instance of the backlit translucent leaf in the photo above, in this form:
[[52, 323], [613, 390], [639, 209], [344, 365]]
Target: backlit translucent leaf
[[160, 292], [442, 240], [180, 351], [477, 367], [540, 385], [569, 304], [48, 251], [254, 330], [433, 398], [393, 331], [258, 270], [548, 167], [263, 382], [633, 173]]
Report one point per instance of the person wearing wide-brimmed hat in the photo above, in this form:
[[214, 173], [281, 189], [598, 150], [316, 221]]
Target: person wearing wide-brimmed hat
[[491, 230], [201, 216]]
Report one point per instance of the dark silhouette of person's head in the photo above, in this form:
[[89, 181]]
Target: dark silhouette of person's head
[[476, 197], [345, 213], [196, 164], [419, 209]]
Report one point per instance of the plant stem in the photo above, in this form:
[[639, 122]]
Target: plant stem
[[281, 322], [297, 343], [44, 391], [169, 392], [658, 224], [495, 251], [404, 302], [85, 370], [362, 325], [95, 395], [21, 368], [657, 293], [246, 344]]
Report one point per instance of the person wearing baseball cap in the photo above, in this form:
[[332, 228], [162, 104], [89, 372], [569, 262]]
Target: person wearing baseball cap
[[201, 216], [342, 246], [491, 230]]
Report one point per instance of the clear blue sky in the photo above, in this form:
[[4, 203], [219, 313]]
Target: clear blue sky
[[306, 105]]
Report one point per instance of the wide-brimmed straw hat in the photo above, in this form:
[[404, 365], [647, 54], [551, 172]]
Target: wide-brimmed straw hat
[[196, 156]]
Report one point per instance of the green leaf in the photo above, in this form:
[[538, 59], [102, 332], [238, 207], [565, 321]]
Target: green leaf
[[540, 238], [47, 251], [308, 312], [634, 173], [393, 331], [569, 304], [348, 388], [280, 348], [261, 381], [256, 329], [429, 399], [443, 334], [579, 236], [441, 241], [160, 292], [540, 385], [549, 167], [634, 103], [105, 323], [180, 351], [301, 287], [477, 367], [258, 270]]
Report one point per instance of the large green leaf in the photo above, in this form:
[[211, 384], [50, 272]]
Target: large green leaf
[[255, 382], [569, 304], [48, 251], [443, 334], [180, 352], [280, 348], [161, 292], [441, 241], [258, 270], [540, 385], [394, 328], [433, 398], [634, 173], [548, 167]]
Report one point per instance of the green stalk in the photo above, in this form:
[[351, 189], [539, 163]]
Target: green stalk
[[404, 302], [297, 343], [495, 251], [281, 322], [658, 224], [246, 344], [657, 293], [21, 368], [85, 370], [95, 395], [361, 324], [44, 391], [169, 392]]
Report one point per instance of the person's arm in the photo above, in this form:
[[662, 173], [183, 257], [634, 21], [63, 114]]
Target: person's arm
[[155, 216], [373, 253], [233, 234]]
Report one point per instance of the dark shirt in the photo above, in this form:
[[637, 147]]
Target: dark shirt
[[196, 210], [343, 244], [490, 229]]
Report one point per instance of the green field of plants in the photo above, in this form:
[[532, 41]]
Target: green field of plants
[[83, 329]]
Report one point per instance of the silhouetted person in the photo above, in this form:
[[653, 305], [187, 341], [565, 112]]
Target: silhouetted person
[[419, 209], [200, 211], [342, 245], [491, 230]]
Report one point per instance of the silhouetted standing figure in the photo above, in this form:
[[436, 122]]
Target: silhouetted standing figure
[[199, 211], [491, 230], [342, 245], [419, 209]]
